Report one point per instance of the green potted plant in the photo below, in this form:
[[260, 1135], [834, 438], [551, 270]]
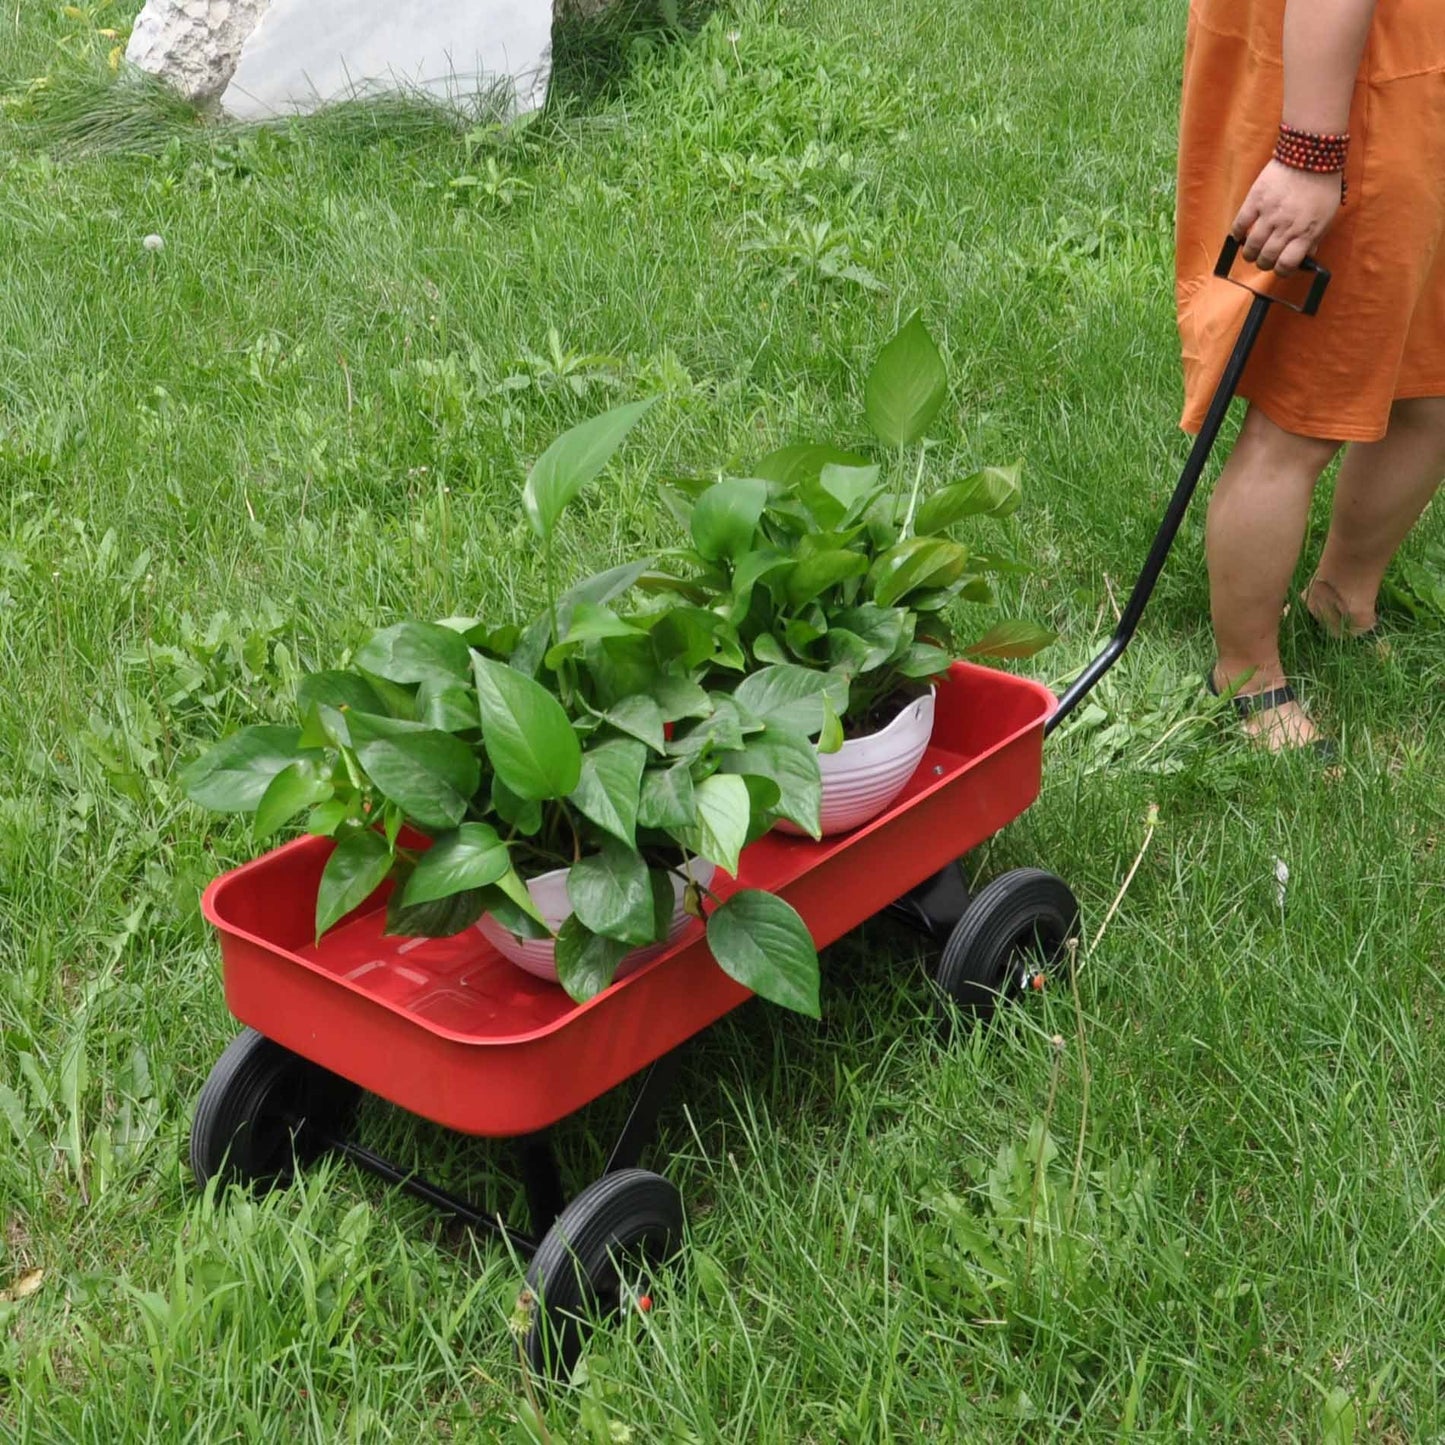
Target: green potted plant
[[825, 561], [461, 763]]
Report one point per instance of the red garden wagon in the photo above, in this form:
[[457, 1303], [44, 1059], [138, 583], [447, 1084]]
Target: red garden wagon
[[449, 1030]]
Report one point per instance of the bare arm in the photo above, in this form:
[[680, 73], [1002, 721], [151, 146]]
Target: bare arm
[[1287, 211]]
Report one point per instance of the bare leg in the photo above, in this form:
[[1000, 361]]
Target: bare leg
[[1257, 520], [1382, 490]]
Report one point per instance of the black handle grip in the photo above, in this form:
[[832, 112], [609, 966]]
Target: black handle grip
[[1311, 304], [1148, 578]]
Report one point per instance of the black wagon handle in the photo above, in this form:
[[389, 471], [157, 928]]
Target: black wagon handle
[[1188, 483]]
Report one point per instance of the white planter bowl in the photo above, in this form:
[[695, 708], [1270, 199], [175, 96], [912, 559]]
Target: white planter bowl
[[538, 956], [866, 774]]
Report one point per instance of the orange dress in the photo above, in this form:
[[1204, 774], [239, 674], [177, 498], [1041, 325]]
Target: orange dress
[[1381, 332]]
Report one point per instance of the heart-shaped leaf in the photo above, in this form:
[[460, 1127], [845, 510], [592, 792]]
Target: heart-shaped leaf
[[666, 800], [919, 562], [586, 961], [441, 918], [298, 786], [789, 698], [523, 814], [451, 707], [588, 622], [814, 575], [430, 774], [722, 808], [791, 466], [639, 717], [612, 895], [572, 461], [789, 760], [992, 492], [840, 494], [923, 660], [471, 857], [232, 776], [338, 690], [526, 733], [357, 867], [907, 386], [887, 631], [760, 941], [1012, 640], [725, 518], [609, 786], [416, 652]]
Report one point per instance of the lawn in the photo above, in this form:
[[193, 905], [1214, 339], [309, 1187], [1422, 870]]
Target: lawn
[[1199, 1197]]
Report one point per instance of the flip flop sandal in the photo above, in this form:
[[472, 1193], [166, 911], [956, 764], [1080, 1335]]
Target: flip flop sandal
[[1246, 705]]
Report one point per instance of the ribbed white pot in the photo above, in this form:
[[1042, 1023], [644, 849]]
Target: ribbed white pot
[[549, 892], [866, 774]]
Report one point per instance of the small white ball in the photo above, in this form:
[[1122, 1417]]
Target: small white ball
[[154, 243]]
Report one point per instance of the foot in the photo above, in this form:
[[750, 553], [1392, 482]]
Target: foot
[[1276, 729], [1337, 613]]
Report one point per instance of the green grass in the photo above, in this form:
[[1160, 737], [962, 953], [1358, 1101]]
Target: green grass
[[311, 412]]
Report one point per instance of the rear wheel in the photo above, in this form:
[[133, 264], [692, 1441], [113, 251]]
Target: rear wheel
[[597, 1261], [263, 1111], [1012, 933]]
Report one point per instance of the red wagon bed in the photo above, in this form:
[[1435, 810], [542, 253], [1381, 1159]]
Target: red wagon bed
[[448, 1029]]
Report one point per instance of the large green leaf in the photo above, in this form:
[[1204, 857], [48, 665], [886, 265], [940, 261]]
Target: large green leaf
[[429, 774], [885, 632], [526, 733], [814, 575], [760, 940], [790, 698], [722, 809], [338, 690], [523, 814], [639, 717], [471, 857], [680, 698], [839, 495], [726, 516], [611, 894], [232, 776], [609, 786], [666, 800], [357, 867], [920, 562], [450, 707], [588, 622], [992, 492], [416, 652], [907, 386], [572, 461], [753, 567], [1011, 640], [298, 786], [586, 961], [789, 760], [791, 466], [440, 918]]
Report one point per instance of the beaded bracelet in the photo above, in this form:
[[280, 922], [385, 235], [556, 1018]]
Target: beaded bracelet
[[1304, 150]]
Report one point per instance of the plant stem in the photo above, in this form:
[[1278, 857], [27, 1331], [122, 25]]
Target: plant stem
[[913, 496]]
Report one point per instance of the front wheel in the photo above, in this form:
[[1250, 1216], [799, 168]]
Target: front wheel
[[597, 1261], [1014, 930], [264, 1110]]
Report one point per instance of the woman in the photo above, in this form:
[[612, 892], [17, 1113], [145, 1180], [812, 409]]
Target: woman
[[1327, 119]]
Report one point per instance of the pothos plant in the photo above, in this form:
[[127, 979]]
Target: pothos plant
[[456, 759], [825, 559]]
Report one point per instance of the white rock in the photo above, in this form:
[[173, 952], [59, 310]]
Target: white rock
[[305, 53], [194, 44]]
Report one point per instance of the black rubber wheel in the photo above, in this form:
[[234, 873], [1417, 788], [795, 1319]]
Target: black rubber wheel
[[259, 1112], [1015, 929], [595, 1261]]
